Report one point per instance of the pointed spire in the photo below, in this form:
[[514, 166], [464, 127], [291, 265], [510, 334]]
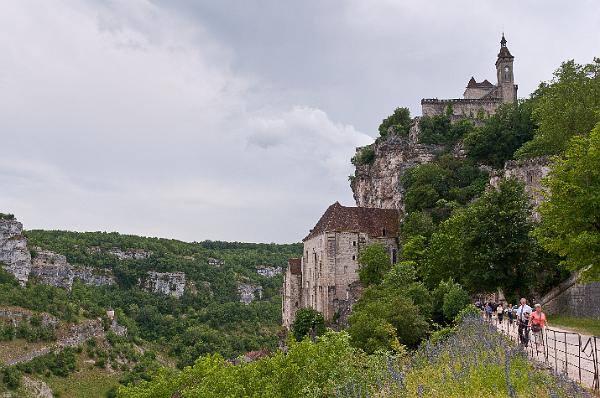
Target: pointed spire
[[503, 41]]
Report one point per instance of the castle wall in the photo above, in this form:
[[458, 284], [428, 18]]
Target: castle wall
[[463, 108], [291, 296], [573, 299]]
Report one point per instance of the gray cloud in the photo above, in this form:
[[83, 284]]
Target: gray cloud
[[234, 120]]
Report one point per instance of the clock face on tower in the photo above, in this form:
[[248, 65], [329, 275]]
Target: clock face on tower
[[506, 69]]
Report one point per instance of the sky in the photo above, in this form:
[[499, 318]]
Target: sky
[[236, 120]]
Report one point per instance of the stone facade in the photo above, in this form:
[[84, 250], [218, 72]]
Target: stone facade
[[169, 283], [530, 172], [573, 298], [14, 255], [479, 99], [328, 273]]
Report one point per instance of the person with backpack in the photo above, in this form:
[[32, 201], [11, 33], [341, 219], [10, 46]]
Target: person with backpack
[[523, 313], [537, 323]]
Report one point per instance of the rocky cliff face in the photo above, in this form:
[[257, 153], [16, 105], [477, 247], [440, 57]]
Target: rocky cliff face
[[170, 283], [530, 172], [53, 269], [14, 255], [249, 292], [379, 184]]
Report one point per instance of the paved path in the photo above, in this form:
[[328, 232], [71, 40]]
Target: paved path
[[567, 352]]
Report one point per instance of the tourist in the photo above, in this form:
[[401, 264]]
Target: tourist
[[500, 313], [537, 323], [489, 311], [509, 313], [523, 313]]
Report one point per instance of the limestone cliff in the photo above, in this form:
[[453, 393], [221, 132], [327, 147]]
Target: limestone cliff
[[14, 255], [169, 283], [378, 184]]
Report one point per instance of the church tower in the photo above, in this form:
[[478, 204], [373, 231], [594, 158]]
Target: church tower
[[507, 88]]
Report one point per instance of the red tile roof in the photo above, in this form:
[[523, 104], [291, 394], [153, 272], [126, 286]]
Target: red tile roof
[[372, 221]]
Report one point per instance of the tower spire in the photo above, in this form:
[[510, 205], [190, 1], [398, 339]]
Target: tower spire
[[503, 41]]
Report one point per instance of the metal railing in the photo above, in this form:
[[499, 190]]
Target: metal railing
[[572, 354]]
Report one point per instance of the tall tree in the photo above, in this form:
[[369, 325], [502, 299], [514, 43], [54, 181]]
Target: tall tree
[[570, 225]]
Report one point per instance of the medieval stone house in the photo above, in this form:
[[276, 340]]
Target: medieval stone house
[[326, 277], [479, 98]]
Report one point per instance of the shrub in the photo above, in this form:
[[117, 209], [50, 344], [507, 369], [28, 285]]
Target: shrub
[[366, 155], [11, 376], [398, 122], [308, 321], [374, 263]]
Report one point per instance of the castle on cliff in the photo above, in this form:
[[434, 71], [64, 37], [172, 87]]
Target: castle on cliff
[[479, 99], [325, 278]]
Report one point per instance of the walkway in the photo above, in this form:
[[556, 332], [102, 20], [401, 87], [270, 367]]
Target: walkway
[[573, 354]]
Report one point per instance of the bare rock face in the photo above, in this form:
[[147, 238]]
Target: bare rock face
[[170, 283], [249, 292], [53, 269], [379, 184], [14, 255], [130, 254], [268, 271], [530, 172]]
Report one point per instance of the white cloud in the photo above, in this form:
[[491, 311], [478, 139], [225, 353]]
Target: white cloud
[[123, 116]]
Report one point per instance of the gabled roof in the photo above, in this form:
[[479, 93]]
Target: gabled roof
[[484, 84], [372, 221]]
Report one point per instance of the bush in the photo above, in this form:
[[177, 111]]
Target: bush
[[399, 123], [454, 301], [11, 376], [366, 155], [308, 322], [374, 263]]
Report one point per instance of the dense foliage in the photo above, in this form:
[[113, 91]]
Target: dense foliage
[[366, 155], [566, 106], [570, 225], [374, 262], [398, 122], [438, 130], [308, 322], [501, 135], [471, 359]]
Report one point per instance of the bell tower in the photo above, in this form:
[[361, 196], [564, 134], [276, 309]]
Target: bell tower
[[507, 88]]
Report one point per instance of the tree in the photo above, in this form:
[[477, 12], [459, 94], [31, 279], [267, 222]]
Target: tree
[[392, 313], [570, 218], [566, 106], [374, 263], [308, 321], [502, 134], [485, 245], [399, 122], [417, 223]]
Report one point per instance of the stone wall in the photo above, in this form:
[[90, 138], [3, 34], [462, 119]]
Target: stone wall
[[291, 294], [169, 283], [330, 268], [463, 108], [573, 298], [379, 184], [14, 255]]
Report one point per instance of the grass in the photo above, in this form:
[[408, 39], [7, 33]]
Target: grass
[[15, 348], [588, 326]]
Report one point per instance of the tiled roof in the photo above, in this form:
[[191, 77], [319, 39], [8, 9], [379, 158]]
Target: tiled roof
[[372, 221], [484, 84]]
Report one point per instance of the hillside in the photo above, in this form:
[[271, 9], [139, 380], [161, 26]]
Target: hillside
[[176, 301]]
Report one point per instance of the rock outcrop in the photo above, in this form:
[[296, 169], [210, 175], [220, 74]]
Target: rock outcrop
[[170, 283], [268, 271], [14, 255], [53, 269], [378, 184], [249, 292], [530, 172]]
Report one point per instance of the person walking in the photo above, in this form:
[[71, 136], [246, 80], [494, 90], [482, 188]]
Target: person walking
[[509, 313], [488, 311], [523, 313], [537, 323], [500, 313]]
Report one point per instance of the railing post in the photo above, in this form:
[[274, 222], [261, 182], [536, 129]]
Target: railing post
[[579, 356]]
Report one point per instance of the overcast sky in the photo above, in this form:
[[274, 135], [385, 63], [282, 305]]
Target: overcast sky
[[235, 120]]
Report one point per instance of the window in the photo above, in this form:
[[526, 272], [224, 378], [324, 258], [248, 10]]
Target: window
[[383, 233], [354, 243], [353, 257]]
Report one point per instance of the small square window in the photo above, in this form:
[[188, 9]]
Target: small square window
[[354, 243]]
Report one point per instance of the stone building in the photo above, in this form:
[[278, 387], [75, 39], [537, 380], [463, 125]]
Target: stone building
[[481, 98], [326, 276]]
